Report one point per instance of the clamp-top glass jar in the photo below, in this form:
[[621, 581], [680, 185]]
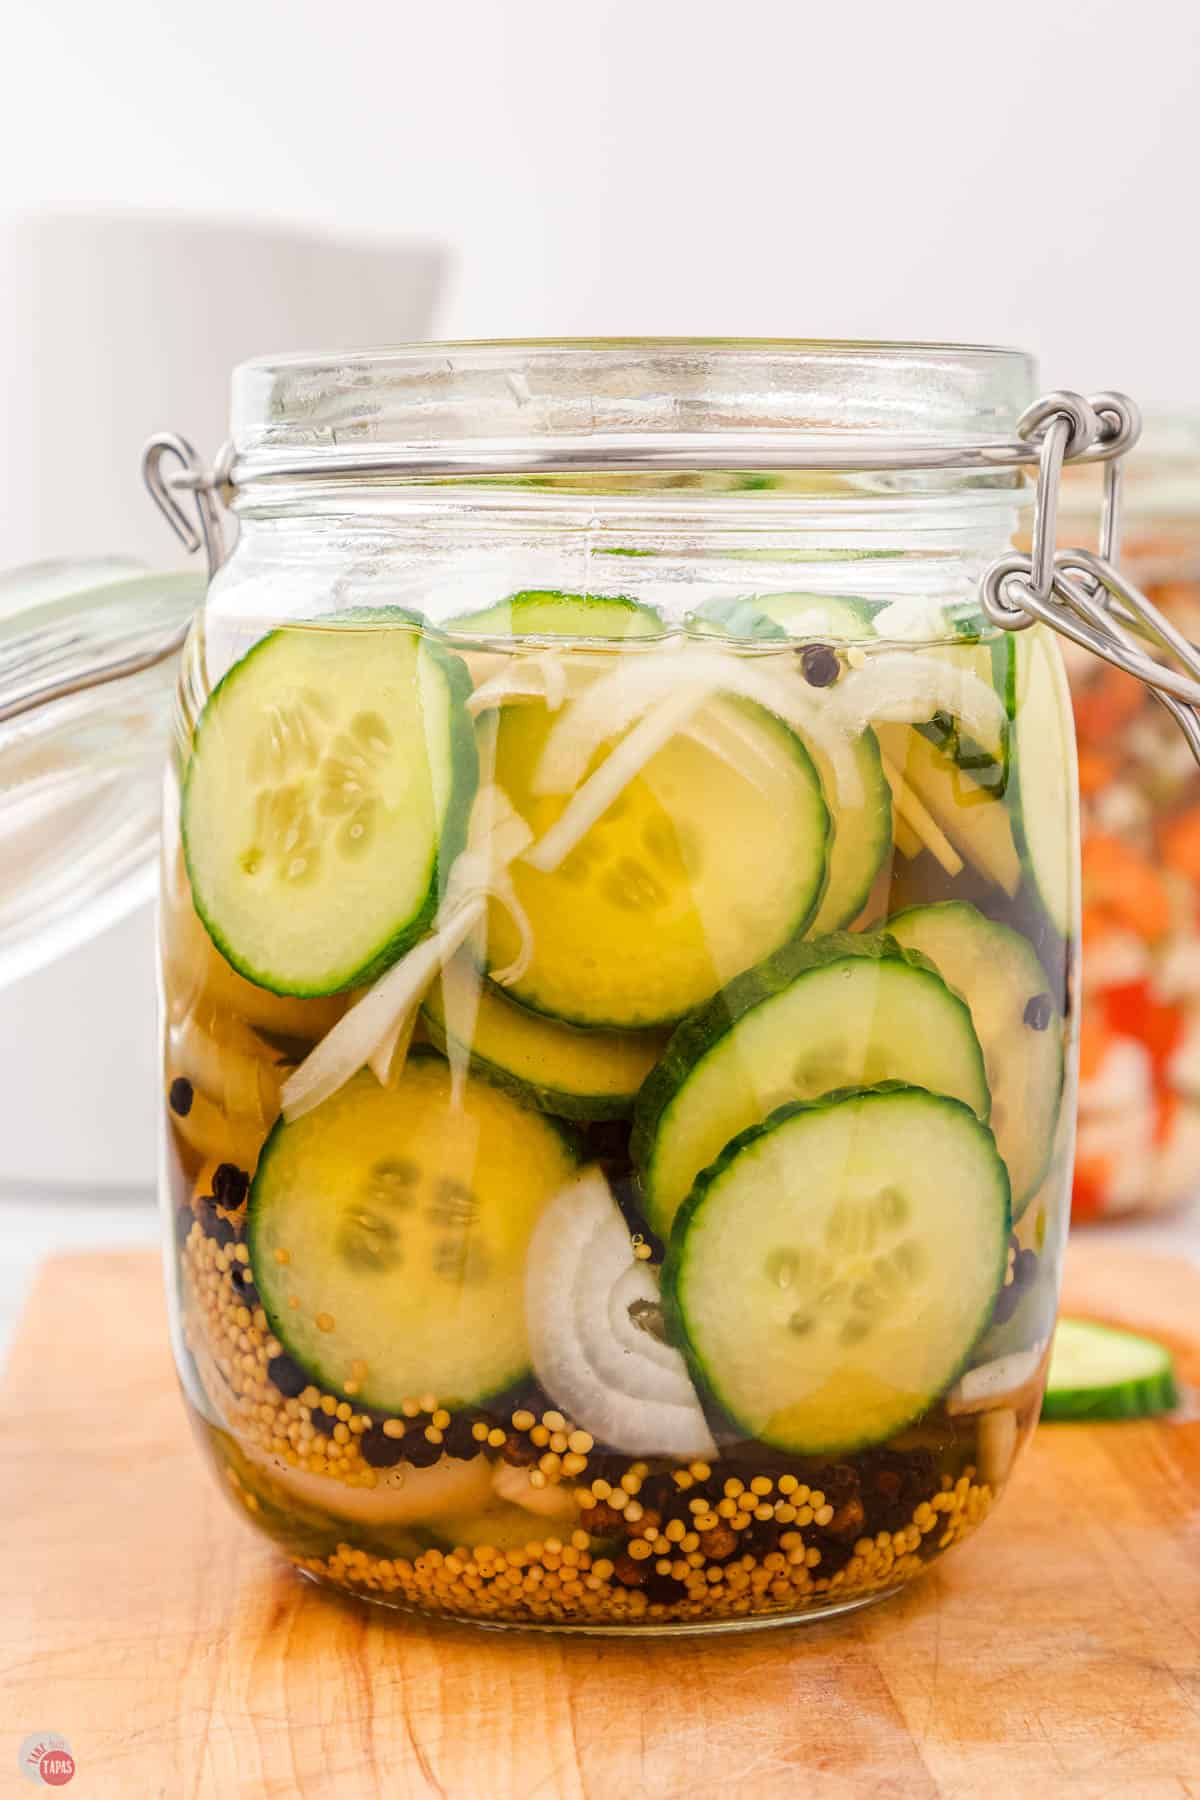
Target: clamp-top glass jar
[[1139, 1095], [618, 928]]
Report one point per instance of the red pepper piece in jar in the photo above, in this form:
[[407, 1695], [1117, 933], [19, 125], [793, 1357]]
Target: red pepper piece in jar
[[1131, 1010], [1179, 842], [1107, 703], [1089, 1192], [1096, 769], [1125, 885]]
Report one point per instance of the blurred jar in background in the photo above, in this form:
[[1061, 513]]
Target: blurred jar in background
[[1138, 1146]]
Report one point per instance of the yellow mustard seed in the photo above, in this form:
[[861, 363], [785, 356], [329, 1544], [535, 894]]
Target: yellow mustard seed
[[350, 1386], [536, 1478], [554, 1421], [574, 1464], [495, 1437], [393, 1428], [428, 1403], [523, 1419], [539, 1436], [580, 1442], [762, 1484], [441, 1418], [643, 1251], [283, 1257], [326, 1322]]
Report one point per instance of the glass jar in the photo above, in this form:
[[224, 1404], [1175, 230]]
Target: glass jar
[[619, 908], [1138, 1147]]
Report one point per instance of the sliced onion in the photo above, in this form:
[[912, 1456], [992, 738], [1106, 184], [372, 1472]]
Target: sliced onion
[[542, 677], [377, 1018], [905, 688], [372, 1032], [627, 761]]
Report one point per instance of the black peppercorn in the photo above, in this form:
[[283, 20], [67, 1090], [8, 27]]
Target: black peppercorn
[[180, 1096], [820, 665], [419, 1451], [1038, 1012], [229, 1184], [287, 1376], [380, 1450], [323, 1422]]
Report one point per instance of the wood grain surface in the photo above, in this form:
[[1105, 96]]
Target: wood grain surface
[[1058, 1653]]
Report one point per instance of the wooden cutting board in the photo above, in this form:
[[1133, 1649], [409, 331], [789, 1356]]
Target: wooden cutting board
[[1057, 1654]]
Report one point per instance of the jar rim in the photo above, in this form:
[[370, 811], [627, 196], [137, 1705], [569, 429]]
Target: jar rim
[[491, 406]]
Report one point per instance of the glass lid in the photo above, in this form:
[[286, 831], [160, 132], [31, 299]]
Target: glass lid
[[81, 766]]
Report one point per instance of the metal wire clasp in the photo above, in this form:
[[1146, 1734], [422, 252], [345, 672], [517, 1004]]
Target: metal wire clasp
[[206, 487], [1081, 595]]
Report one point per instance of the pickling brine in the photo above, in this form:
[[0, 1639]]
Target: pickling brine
[[618, 1082]]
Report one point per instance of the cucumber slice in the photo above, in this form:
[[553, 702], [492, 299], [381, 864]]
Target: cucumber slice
[[1101, 1372], [972, 815], [990, 660], [585, 1294], [1045, 779], [832, 1270], [400, 1222], [810, 617], [848, 1011], [704, 864], [330, 781], [862, 838], [1016, 1020], [575, 1074], [543, 613]]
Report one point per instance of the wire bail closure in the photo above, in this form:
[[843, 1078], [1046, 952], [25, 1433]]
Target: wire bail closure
[[207, 487], [1078, 593]]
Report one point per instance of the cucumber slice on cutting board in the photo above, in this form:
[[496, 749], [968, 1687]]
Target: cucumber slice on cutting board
[[1017, 1022], [544, 613], [972, 815], [814, 618], [831, 1272], [862, 838], [575, 1074], [399, 1222], [847, 1011], [704, 864], [1102, 1372], [589, 1308], [1044, 778], [328, 790]]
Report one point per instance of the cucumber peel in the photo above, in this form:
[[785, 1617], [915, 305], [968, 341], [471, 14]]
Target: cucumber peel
[[1104, 1372], [813, 1019], [547, 613], [327, 794], [830, 1274]]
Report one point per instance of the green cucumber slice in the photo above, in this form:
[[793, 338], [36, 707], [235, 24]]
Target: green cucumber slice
[[399, 1220], [990, 659], [328, 791], [847, 1011], [973, 816], [575, 1074], [831, 1272], [862, 838], [1102, 1372], [1045, 778], [544, 613], [1016, 1020], [824, 618], [706, 862]]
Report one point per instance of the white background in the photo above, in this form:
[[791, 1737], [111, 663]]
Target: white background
[[1021, 172]]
